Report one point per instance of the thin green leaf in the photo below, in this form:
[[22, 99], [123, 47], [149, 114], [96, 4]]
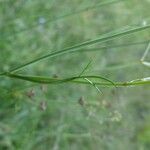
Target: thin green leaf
[[47, 80], [77, 47]]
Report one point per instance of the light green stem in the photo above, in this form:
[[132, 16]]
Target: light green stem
[[81, 45]]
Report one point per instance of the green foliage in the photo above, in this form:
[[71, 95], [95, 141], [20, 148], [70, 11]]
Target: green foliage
[[58, 109]]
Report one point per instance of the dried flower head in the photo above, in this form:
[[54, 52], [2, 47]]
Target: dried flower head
[[81, 101], [43, 88], [42, 105], [30, 94]]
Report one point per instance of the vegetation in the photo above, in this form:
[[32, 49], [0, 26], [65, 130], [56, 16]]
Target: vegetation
[[74, 75]]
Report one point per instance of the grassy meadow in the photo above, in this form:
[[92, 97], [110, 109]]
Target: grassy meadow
[[92, 40]]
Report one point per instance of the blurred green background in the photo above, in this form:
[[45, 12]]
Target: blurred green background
[[72, 116]]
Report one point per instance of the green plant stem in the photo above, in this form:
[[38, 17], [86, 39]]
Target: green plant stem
[[79, 80], [81, 45], [109, 47], [116, 46], [41, 79], [2, 74], [117, 84]]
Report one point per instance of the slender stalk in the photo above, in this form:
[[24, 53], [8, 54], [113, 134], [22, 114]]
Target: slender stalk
[[2, 74], [117, 46], [41, 79], [146, 52], [79, 80], [117, 84], [109, 47], [77, 47]]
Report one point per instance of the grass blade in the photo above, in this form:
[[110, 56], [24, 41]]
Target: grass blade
[[79, 80], [77, 47], [47, 80]]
